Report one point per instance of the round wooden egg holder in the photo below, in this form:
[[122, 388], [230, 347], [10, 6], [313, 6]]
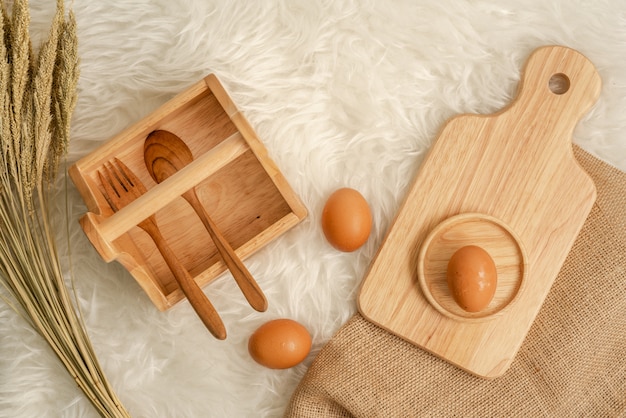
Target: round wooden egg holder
[[490, 234]]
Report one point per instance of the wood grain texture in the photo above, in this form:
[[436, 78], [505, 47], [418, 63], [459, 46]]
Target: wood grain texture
[[236, 181], [165, 155], [516, 165], [122, 186]]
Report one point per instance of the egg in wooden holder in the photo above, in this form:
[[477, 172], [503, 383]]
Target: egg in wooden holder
[[486, 232], [507, 181]]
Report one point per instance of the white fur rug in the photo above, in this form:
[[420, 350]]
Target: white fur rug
[[342, 93]]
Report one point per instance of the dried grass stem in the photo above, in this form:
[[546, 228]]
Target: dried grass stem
[[37, 99]]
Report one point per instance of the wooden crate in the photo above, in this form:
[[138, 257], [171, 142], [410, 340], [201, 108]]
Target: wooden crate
[[240, 187]]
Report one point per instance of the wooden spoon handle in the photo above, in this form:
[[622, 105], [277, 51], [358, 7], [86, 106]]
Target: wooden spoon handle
[[244, 279], [198, 300]]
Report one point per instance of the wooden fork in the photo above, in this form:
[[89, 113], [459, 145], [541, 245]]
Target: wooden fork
[[121, 187]]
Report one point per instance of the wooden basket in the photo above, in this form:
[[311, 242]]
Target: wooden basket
[[239, 186]]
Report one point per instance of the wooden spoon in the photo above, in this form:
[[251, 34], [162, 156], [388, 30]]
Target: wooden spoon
[[164, 155]]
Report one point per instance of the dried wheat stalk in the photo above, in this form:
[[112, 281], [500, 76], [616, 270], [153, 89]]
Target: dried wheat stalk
[[37, 98]]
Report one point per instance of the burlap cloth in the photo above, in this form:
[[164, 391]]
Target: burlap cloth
[[571, 364]]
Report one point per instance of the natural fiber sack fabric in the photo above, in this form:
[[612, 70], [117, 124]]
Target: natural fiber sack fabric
[[571, 364]]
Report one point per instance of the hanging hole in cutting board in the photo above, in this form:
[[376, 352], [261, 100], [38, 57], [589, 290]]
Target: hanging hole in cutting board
[[559, 84]]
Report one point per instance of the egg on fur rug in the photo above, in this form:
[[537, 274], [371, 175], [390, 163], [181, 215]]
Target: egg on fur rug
[[342, 94]]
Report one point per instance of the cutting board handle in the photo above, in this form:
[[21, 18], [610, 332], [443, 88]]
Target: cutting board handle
[[558, 82]]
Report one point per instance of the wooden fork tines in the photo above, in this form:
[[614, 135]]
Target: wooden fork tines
[[121, 187]]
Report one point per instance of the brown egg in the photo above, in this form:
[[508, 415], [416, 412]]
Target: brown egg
[[280, 344], [346, 220], [472, 278]]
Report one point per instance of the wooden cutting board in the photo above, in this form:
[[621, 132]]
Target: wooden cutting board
[[515, 167]]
